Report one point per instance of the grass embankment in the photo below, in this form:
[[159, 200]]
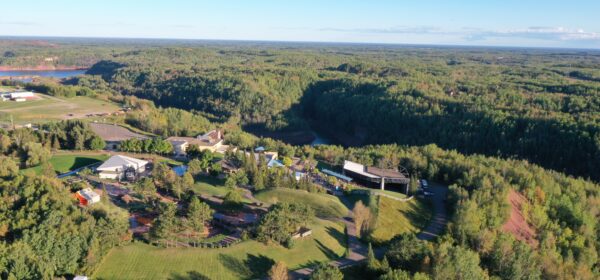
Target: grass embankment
[[325, 206], [395, 217], [247, 260], [63, 163]]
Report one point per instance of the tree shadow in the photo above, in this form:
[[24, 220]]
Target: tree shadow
[[82, 161], [416, 216], [259, 265], [252, 267], [330, 254], [337, 234], [190, 275]]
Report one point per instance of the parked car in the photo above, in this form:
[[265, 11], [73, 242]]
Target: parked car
[[428, 193], [424, 184]]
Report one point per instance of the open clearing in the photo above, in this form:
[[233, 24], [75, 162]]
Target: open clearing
[[49, 108], [324, 205], [63, 163], [247, 260]]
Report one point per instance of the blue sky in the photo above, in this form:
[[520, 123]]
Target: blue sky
[[452, 22]]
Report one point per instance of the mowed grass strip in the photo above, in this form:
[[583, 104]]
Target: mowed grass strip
[[247, 260], [325, 206], [63, 163], [396, 217]]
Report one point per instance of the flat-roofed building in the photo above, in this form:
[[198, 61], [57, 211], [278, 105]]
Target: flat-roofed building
[[375, 175]]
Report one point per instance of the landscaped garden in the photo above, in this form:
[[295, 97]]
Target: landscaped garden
[[247, 260]]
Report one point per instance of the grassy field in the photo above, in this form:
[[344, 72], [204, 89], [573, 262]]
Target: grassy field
[[49, 108], [247, 260], [323, 204], [396, 217], [66, 162]]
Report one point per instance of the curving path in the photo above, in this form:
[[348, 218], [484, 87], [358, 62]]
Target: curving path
[[358, 250]]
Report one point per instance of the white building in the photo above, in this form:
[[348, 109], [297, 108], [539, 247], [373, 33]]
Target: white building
[[116, 167], [21, 94]]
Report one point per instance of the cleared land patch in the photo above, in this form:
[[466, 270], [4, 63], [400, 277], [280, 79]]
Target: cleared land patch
[[517, 225], [49, 108]]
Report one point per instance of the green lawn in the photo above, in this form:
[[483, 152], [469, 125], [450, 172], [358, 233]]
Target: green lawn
[[66, 162], [247, 260], [50, 108], [323, 204], [210, 186], [396, 217]]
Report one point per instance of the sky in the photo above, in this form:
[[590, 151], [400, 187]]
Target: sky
[[527, 23]]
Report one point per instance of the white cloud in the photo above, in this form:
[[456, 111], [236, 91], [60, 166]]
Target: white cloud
[[538, 32]]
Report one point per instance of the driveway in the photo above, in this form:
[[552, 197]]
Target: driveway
[[438, 222]]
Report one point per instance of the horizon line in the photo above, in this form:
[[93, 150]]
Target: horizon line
[[3, 37]]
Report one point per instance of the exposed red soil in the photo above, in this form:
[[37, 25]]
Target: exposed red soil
[[517, 225]]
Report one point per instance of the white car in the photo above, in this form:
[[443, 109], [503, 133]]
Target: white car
[[424, 183], [428, 193]]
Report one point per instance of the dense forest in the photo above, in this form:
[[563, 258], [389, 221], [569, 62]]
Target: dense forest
[[539, 105]]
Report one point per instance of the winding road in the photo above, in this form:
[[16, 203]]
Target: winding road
[[358, 250]]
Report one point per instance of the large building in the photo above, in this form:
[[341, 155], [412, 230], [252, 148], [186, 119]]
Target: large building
[[212, 140], [374, 175], [121, 167], [18, 96], [114, 134]]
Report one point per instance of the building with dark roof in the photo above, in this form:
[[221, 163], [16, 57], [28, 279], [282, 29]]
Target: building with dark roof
[[375, 175]]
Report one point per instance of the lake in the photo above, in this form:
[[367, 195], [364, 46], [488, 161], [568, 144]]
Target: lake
[[60, 74]]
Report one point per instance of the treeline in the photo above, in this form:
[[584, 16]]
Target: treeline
[[154, 146], [563, 211], [60, 90], [33, 147], [399, 113]]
